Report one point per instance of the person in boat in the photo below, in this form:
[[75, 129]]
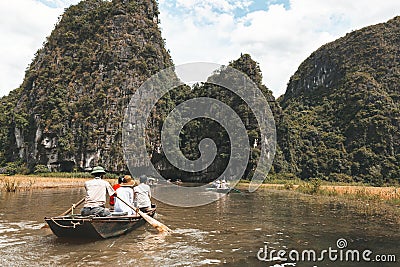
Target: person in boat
[[151, 181], [214, 184], [223, 184], [125, 192], [115, 187], [96, 192], [142, 194]]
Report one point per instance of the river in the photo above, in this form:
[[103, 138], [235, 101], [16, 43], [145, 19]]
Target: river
[[231, 231]]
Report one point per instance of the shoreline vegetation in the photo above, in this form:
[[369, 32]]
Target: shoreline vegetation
[[18, 182], [390, 194], [369, 201], [365, 199]]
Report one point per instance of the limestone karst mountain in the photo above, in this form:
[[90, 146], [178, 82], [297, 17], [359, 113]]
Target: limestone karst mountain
[[342, 109], [69, 109]]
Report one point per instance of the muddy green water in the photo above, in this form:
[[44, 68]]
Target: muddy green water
[[228, 232]]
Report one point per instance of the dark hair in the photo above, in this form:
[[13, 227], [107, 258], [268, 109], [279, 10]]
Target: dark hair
[[143, 178], [121, 179]]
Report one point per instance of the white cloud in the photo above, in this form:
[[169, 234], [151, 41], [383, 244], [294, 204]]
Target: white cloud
[[222, 5], [24, 27], [279, 38]]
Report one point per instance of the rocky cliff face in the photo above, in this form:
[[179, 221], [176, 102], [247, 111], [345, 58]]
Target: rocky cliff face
[[201, 128], [342, 108], [70, 107]]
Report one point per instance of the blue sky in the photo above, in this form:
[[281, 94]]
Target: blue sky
[[258, 5], [279, 34], [239, 8]]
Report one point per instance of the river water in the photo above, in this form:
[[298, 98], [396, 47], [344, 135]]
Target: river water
[[229, 232]]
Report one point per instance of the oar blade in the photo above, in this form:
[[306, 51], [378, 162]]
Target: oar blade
[[156, 224]]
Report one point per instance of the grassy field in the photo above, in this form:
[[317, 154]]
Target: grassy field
[[352, 191], [389, 193], [28, 182]]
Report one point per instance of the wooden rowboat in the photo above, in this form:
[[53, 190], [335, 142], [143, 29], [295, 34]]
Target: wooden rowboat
[[90, 227]]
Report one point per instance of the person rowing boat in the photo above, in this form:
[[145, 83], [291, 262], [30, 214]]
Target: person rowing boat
[[96, 190]]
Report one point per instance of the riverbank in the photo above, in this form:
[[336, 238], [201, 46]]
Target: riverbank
[[27, 182], [370, 201], [390, 194], [361, 192]]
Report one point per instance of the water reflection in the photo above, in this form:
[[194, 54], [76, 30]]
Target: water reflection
[[228, 232]]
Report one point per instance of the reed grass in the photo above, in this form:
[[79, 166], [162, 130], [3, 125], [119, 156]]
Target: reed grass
[[356, 191], [10, 184], [86, 175], [65, 174], [28, 182], [312, 187], [364, 192]]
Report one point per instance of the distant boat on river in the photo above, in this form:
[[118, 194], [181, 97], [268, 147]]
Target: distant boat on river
[[219, 190]]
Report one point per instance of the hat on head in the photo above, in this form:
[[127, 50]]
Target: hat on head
[[98, 169], [128, 181], [121, 179]]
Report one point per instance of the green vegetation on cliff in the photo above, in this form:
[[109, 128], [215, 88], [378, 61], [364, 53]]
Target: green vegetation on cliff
[[342, 106], [201, 128], [69, 109]]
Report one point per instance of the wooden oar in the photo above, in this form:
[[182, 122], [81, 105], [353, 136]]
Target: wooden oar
[[156, 224], [73, 206], [68, 210]]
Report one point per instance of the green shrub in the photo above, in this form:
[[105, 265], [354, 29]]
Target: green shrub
[[340, 177], [289, 185], [15, 167], [12, 168], [315, 185], [111, 176], [41, 169], [312, 187]]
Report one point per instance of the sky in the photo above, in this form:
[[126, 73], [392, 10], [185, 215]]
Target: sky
[[278, 34]]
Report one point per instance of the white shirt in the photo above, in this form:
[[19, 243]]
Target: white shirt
[[142, 196], [224, 185], [96, 190], [126, 193]]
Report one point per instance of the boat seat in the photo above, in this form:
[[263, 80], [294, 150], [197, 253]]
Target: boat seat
[[119, 213]]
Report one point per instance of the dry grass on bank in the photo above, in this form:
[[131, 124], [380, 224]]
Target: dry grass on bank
[[369, 201], [28, 182], [365, 192], [389, 193]]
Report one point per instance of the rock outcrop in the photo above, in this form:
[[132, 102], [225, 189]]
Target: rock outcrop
[[70, 106], [342, 108]]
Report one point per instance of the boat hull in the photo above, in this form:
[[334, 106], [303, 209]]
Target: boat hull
[[88, 227], [219, 190]]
